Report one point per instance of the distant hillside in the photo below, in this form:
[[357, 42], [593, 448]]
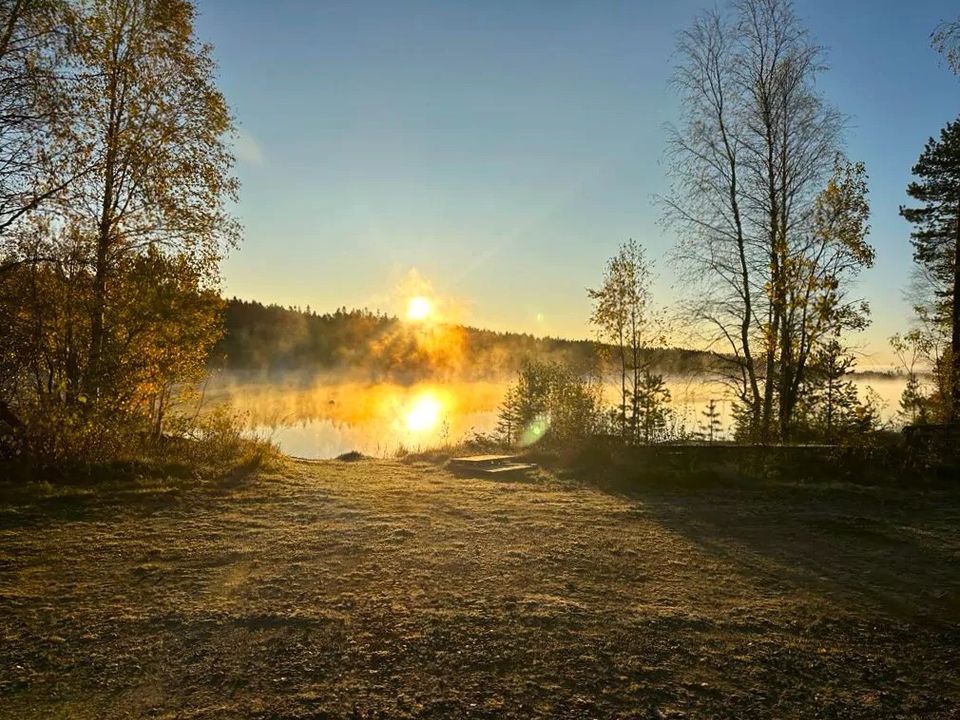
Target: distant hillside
[[271, 340]]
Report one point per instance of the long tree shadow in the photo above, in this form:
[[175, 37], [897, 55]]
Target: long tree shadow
[[34, 505], [122, 488], [883, 549]]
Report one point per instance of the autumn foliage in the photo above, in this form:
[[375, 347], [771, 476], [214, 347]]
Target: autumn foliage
[[116, 225]]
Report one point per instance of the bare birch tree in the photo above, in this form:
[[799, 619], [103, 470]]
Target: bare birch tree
[[750, 161]]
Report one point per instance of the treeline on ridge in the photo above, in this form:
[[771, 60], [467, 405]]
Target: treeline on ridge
[[272, 340]]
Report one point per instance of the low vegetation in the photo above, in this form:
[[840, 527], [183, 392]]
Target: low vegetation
[[213, 446]]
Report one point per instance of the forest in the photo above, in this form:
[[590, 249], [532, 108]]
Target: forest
[[360, 344]]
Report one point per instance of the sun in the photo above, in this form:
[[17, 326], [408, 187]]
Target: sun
[[424, 414], [419, 308]]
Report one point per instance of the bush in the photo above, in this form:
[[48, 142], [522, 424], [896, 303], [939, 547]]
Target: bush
[[548, 405], [56, 434], [67, 440], [216, 440]]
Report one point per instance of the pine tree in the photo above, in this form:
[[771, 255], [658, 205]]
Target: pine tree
[[913, 404], [831, 409], [651, 400], [916, 405], [710, 427], [508, 419], [936, 238]]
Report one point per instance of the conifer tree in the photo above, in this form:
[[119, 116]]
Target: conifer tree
[[936, 240], [710, 427]]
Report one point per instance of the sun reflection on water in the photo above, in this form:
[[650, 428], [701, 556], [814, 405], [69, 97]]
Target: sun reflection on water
[[424, 414], [330, 416]]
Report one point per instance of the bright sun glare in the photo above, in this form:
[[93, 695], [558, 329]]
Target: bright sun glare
[[419, 308], [424, 414]]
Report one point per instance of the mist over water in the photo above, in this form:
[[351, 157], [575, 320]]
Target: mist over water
[[324, 418]]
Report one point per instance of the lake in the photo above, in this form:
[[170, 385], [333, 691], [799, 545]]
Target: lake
[[327, 417]]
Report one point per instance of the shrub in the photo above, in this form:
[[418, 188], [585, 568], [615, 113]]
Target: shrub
[[66, 440], [549, 405]]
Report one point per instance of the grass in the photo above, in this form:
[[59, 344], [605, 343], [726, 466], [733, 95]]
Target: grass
[[388, 589]]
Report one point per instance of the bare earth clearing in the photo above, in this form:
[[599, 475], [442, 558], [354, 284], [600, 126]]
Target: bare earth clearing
[[378, 589]]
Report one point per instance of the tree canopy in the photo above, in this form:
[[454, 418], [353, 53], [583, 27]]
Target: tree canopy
[[936, 245], [118, 219]]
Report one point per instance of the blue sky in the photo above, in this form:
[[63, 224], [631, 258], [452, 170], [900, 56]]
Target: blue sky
[[503, 150]]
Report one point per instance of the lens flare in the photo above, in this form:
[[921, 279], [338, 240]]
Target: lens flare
[[419, 308], [535, 430], [424, 414]]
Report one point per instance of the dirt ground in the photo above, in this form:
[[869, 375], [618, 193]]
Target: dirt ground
[[380, 589]]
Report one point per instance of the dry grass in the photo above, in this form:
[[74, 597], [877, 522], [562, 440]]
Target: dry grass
[[381, 589]]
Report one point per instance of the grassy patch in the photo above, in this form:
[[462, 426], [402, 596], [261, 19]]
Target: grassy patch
[[390, 589]]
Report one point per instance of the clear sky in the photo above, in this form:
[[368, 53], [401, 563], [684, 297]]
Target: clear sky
[[503, 150]]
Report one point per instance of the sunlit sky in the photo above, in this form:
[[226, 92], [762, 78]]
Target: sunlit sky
[[501, 151]]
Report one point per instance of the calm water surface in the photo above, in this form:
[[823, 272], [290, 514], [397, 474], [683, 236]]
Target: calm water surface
[[326, 418]]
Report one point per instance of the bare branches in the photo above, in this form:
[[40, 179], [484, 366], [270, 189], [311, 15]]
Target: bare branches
[[946, 41], [749, 162], [31, 104]]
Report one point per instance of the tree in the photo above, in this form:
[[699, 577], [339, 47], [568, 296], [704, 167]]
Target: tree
[[153, 124], [913, 404], [626, 322], [819, 312], [936, 242], [830, 407], [651, 398], [110, 291], [509, 420], [548, 404], [166, 324], [771, 218], [910, 349], [831, 395], [170, 320], [711, 426], [946, 40]]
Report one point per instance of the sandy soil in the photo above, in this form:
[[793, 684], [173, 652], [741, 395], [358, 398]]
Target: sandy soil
[[379, 589]]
